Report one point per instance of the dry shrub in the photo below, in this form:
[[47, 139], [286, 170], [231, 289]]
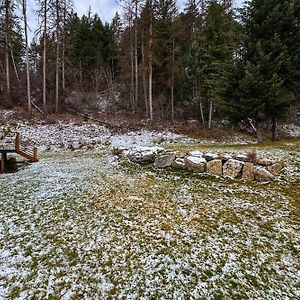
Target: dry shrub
[[252, 156], [51, 119]]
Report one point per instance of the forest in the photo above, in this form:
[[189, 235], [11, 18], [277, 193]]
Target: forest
[[209, 61]]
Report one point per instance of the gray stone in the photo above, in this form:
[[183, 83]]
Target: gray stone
[[265, 162], [241, 157], [263, 175], [276, 168], [144, 155], [215, 167], [233, 168], [179, 163], [196, 164], [224, 157], [180, 154], [118, 150], [248, 171], [210, 156], [196, 153], [164, 160]]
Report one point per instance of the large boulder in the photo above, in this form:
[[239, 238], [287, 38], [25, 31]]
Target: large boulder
[[144, 155], [164, 160], [276, 168], [233, 168], [215, 167], [196, 164], [263, 175], [248, 171], [179, 163]]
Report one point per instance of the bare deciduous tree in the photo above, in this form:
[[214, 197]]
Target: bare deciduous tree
[[24, 12]]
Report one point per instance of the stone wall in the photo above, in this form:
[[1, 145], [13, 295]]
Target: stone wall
[[237, 166]]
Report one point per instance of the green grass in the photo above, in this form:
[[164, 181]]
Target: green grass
[[84, 225]]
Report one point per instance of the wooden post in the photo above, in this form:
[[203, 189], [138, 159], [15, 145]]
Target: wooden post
[[17, 142], [3, 161], [35, 154]]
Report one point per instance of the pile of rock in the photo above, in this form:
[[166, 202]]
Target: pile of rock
[[235, 166]]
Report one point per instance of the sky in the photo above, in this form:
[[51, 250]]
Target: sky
[[106, 9]]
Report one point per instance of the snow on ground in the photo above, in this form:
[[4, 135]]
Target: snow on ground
[[129, 233], [57, 137], [83, 225], [291, 130]]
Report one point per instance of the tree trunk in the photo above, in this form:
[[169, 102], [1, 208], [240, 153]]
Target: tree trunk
[[24, 6], [198, 97], [150, 60], [15, 67], [7, 45], [57, 59], [110, 85], [45, 58], [274, 129], [63, 50], [136, 55], [210, 113], [172, 78], [81, 76], [144, 77], [259, 137]]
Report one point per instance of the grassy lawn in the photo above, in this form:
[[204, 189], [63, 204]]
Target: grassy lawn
[[82, 225]]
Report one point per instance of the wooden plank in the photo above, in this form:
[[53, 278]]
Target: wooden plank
[[30, 157]]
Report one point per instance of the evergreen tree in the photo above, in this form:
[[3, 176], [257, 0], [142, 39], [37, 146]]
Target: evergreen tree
[[11, 49], [210, 56], [270, 53], [165, 12]]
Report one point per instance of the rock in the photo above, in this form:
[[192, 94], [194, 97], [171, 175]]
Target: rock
[[265, 162], [196, 164], [144, 155], [118, 150], [210, 156], [276, 168], [196, 153], [241, 157], [263, 175], [248, 171], [179, 163], [164, 160], [180, 154], [233, 168], [224, 157], [215, 167]]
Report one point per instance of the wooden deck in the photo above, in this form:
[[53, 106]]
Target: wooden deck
[[20, 150]]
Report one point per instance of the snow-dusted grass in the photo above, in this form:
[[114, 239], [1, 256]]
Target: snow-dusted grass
[[82, 225]]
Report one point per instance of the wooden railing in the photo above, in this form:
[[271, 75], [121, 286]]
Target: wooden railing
[[33, 157]]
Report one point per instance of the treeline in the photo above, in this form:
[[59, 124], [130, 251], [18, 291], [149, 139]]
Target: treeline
[[210, 61]]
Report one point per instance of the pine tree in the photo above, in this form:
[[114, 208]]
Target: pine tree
[[206, 62], [165, 12], [270, 54]]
